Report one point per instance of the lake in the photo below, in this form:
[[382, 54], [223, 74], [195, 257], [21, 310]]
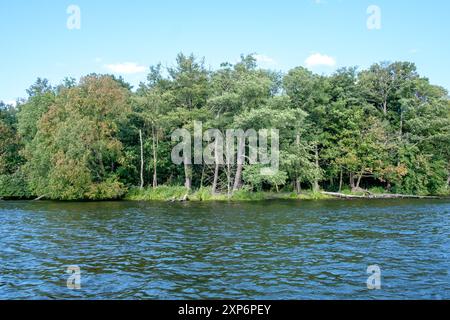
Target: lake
[[255, 250]]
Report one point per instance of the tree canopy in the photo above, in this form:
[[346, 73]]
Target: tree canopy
[[385, 127]]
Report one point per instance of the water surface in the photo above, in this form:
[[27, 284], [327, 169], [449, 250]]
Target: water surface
[[261, 250]]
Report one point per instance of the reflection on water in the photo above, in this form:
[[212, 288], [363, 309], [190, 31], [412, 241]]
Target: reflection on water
[[264, 250]]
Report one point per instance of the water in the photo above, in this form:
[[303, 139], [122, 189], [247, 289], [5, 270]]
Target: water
[[265, 250]]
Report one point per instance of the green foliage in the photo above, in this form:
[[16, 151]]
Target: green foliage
[[162, 193], [385, 129], [109, 189], [42, 96], [255, 179], [75, 150], [14, 186], [424, 176], [203, 194], [248, 195], [10, 144], [377, 190], [312, 195]]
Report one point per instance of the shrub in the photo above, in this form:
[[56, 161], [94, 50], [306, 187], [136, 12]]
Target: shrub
[[14, 186]]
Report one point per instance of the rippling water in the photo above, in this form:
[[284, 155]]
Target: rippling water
[[265, 250]]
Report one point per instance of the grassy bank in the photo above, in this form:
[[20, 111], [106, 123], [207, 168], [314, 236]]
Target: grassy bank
[[178, 193], [169, 193]]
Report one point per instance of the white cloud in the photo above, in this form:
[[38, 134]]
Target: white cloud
[[260, 58], [318, 59], [126, 68]]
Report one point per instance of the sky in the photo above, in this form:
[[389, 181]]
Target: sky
[[56, 39]]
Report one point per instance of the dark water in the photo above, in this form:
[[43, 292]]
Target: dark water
[[266, 250]]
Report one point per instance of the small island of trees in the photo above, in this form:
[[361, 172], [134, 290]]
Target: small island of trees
[[385, 129]]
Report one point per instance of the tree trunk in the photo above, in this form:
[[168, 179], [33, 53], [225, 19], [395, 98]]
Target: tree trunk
[[155, 158], [352, 180], [188, 180], [100, 163], [188, 176], [340, 181], [400, 136], [298, 185], [216, 168], [216, 178], [238, 179], [228, 178], [203, 176], [378, 196], [358, 182], [142, 159], [385, 107], [240, 165], [316, 186], [39, 198]]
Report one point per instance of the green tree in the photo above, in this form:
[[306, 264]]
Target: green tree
[[75, 150]]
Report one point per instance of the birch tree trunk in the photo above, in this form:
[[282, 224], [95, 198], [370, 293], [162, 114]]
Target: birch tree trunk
[[142, 159], [352, 180], [216, 169], [358, 182], [240, 165], [187, 172], [316, 186], [298, 185], [155, 158]]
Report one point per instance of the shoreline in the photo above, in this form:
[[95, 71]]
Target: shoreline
[[180, 194]]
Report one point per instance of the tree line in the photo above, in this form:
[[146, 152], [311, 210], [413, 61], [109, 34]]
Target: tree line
[[385, 127]]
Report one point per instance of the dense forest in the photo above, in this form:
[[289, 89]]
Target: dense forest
[[385, 128]]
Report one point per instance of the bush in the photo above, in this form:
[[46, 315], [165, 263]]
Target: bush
[[377, 190], [14, 186], [110, 189]]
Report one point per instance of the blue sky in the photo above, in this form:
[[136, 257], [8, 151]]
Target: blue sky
[[125, 37]]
